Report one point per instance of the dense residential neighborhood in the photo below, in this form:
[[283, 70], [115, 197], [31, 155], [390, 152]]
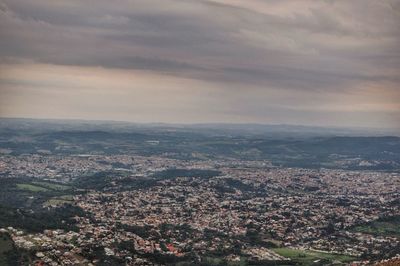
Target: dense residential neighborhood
[[151, 210]]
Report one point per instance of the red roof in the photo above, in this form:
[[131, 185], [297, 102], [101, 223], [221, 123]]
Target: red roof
[[171, 247]]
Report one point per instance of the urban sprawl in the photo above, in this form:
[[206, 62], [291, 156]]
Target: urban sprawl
[[185, 210]]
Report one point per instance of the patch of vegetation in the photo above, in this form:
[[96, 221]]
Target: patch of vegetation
[[40, 186], [6, 244], [51, 185], [142, 231], [180, 232], [175, 172], [99, 180], [10, 255], [388, 226], [30, 194], [57, 218], [307, 257], [32, 188], [57, 201], [235, 183]]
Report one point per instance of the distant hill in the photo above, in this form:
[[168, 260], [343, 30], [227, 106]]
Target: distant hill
[[283, 145], [206, 128]]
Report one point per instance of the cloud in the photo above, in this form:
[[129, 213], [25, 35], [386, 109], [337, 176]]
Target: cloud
[[300, 46]]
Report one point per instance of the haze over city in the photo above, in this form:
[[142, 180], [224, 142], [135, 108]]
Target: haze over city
[[325, 63]]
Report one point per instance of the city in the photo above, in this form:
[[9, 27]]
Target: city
[[200, 133], [156, 210]]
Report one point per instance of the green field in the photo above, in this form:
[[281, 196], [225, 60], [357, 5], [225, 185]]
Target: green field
[[56, 201], [42, 186], [52, 186], [383, 227], [31, 188], [307, 257]]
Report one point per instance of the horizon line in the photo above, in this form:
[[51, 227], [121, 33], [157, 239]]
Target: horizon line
[[201, 123]]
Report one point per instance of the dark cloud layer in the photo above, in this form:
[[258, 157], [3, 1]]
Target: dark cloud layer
[[290, 45], [177, 36]]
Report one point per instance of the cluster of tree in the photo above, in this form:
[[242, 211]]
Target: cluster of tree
[[142, 231], [97, 180], [180, 232], [57, 218], [97, 252], [176, 172], [10, 255], [235, 183]]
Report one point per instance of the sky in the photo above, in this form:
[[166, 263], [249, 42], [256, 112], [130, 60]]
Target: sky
[[324, 63]]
